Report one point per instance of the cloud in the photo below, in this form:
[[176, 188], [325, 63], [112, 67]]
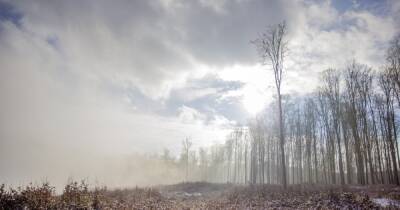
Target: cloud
[[57, 120], [327, 38], [145, 44], [190, 115]]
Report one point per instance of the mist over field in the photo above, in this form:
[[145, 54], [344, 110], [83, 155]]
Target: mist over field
[[129, 94]]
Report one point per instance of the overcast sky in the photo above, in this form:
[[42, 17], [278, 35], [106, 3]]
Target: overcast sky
[[84, 79]]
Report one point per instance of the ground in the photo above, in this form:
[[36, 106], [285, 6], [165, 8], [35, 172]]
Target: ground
[[226, 196], [202, 195]]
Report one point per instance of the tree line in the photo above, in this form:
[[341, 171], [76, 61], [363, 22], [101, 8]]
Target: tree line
[[345, 132]]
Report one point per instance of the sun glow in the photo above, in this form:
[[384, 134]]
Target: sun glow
[[253, 100], [255, 93]]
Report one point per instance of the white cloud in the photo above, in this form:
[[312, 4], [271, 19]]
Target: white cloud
[[56, 122], [190, 115]]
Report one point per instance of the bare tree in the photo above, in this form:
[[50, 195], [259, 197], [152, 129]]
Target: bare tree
[[187, 144], [203, 164], [272, 47], [393, 58], [352, 75], [384, 82], [332, 90]]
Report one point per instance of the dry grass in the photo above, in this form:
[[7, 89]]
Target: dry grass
[[200, 195]]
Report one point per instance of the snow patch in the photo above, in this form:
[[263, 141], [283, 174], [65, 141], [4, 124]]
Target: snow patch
[[185, 194], [385, 202]]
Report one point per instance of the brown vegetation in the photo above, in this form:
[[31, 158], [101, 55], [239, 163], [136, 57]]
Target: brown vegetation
[[199, 195]]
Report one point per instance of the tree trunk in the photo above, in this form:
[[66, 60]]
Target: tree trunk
[[281, 140]]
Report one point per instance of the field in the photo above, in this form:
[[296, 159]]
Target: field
[[202, 195]]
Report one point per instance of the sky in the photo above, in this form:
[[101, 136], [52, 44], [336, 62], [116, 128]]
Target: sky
[[85, 80]]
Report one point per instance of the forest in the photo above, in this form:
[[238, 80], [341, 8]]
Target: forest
[[345, 132]]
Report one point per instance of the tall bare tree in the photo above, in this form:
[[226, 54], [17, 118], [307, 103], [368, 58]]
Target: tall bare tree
[[332, 90], [272, 48], [384, 82]]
